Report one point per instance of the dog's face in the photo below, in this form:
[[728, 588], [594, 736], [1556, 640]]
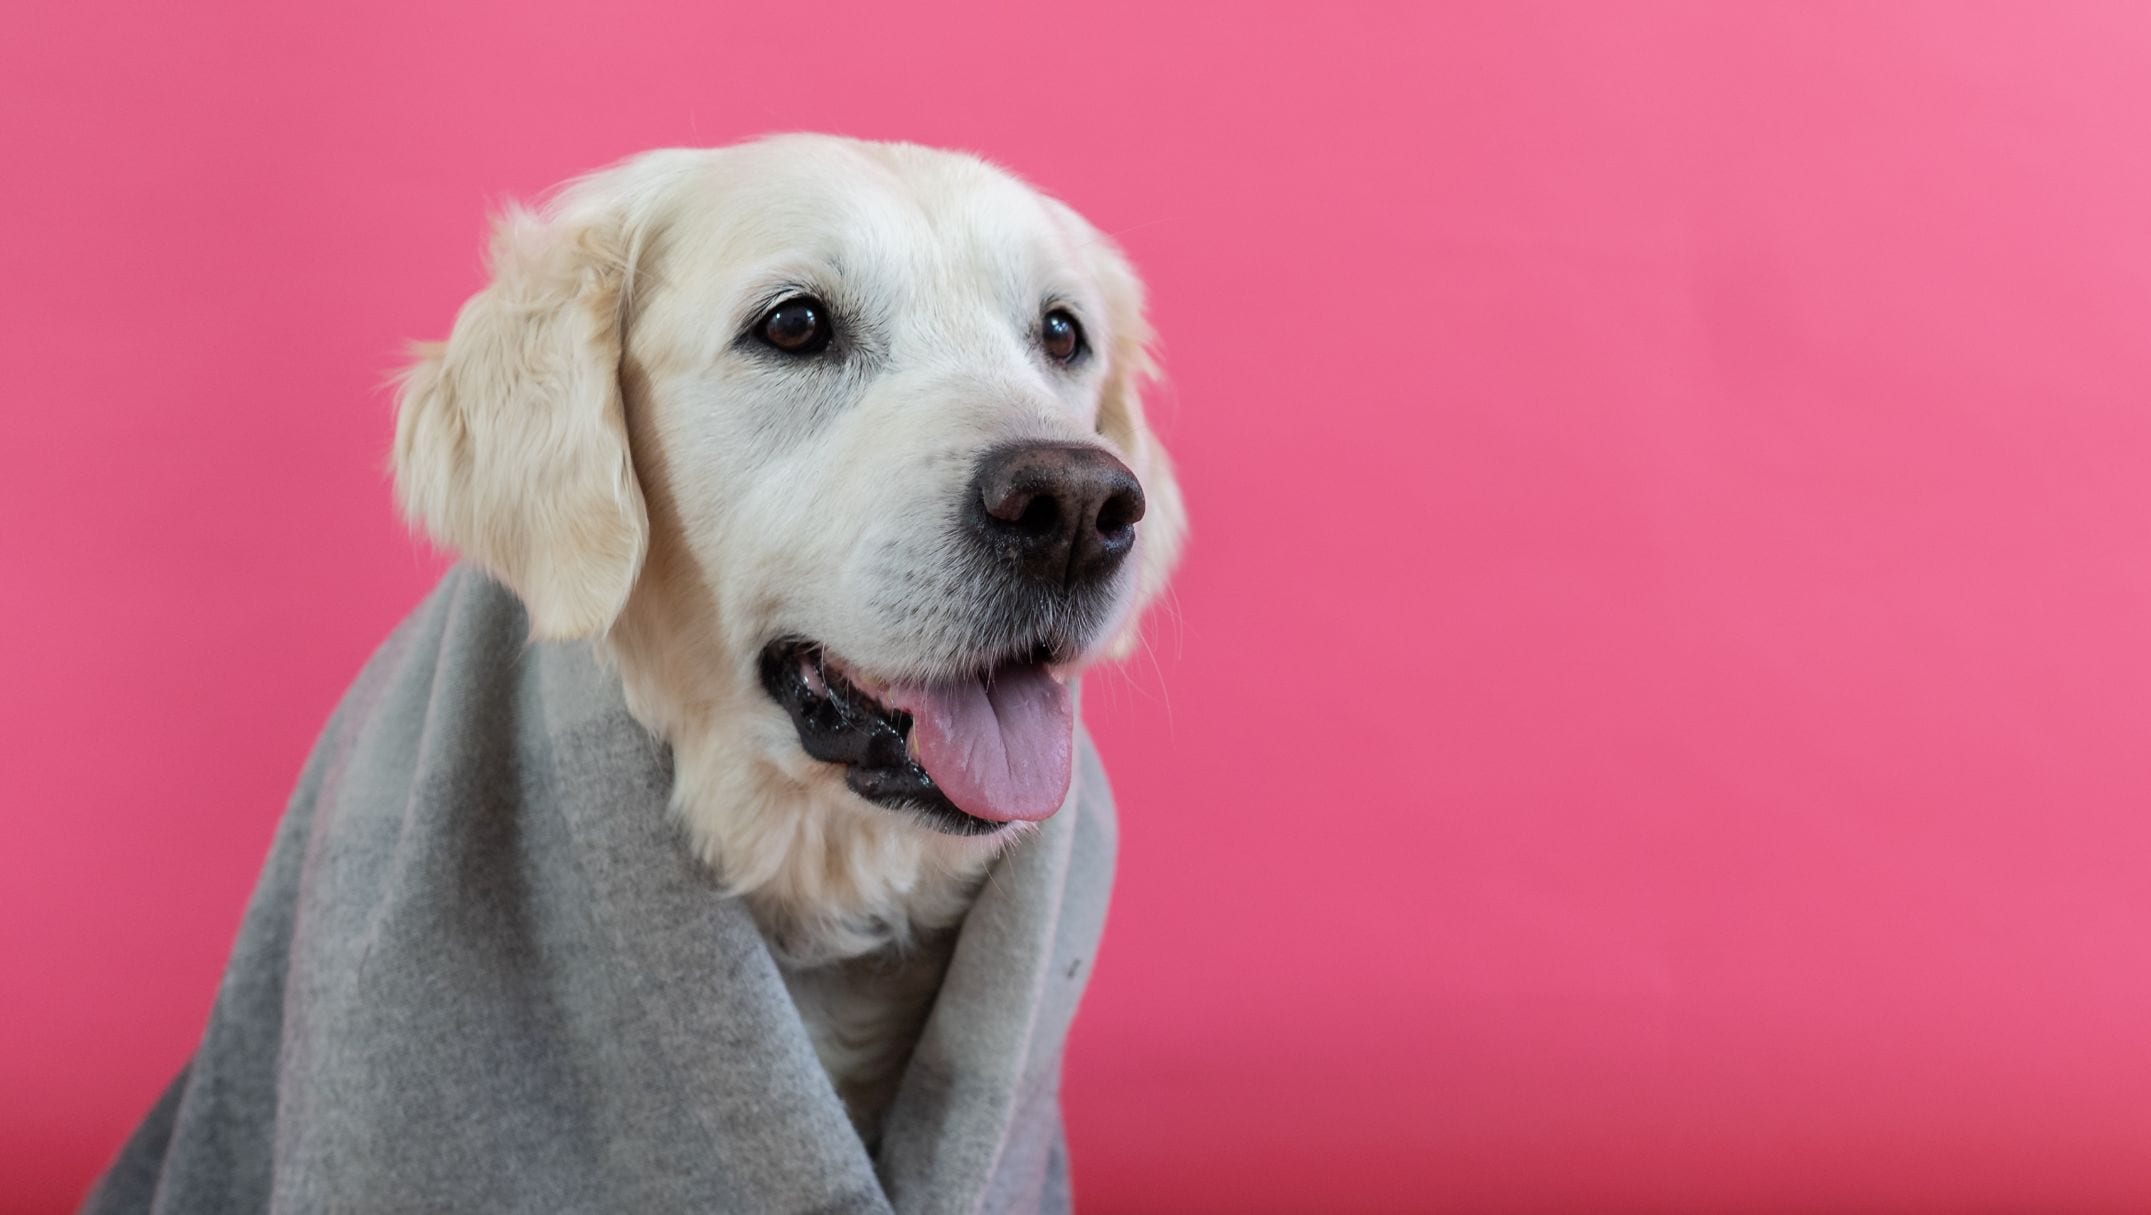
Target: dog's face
[[840, 441]]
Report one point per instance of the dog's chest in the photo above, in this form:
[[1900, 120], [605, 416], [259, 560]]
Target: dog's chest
[[864, 1015]]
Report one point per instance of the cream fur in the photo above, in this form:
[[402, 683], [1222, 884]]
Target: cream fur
[[595, 435]]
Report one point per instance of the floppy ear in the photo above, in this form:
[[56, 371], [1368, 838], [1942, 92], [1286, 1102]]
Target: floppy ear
[[511, 437], [1163, 531]]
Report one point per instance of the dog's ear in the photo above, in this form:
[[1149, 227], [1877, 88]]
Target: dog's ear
[[511, 436], [1163, 531]]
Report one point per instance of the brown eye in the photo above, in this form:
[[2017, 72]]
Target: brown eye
[[1062, 337], [799, 325]]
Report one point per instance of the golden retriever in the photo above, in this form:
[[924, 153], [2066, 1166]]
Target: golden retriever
[[835, 450]]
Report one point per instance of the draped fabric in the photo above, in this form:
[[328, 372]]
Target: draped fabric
[[481, 972]]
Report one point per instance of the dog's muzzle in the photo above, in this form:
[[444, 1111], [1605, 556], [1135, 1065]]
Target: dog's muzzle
[[1048, 527]]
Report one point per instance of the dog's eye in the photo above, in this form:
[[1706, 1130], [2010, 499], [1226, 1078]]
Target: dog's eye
[[1062, 336], [799, 325]]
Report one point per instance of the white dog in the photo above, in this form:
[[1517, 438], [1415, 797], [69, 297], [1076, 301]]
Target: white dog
[[835, 450]]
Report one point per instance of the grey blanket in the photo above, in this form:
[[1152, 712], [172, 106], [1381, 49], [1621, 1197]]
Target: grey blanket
[[482, 973]]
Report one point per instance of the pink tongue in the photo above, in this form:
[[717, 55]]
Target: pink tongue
[[1002, 752]]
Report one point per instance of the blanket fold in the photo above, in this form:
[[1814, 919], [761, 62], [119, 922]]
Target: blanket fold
[[482, 972]]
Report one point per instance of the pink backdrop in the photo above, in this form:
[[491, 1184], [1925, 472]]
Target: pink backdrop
[[1657, 710]]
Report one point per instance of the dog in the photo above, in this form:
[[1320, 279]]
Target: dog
[[835, 451]]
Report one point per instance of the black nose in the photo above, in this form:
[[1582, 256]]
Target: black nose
[[1062, 513]]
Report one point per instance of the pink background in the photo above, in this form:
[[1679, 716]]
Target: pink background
[[1658, 712]]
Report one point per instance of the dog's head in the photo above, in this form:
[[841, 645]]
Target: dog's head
[[837, 445]]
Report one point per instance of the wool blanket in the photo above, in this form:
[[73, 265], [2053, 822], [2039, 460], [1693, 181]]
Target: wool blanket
[[482, 972]]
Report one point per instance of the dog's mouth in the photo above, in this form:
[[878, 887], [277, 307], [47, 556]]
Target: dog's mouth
[[969, 753]]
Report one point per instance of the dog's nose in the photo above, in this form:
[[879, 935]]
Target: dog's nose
[[1063, 513]]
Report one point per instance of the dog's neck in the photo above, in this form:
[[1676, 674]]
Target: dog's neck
[[827, 876]]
